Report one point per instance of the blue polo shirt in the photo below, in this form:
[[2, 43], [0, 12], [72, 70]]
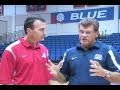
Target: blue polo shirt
[[76, 63]]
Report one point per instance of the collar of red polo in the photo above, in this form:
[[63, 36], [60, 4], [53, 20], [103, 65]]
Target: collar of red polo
[[27, 44]]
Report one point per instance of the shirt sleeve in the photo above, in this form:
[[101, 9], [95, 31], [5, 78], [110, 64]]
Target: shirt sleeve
[[65, 70], [113, 60], [7, 68]]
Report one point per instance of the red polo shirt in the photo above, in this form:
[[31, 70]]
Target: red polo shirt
[[24, 64]]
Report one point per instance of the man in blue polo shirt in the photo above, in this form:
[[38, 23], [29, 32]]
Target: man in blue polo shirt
[[90, 62]]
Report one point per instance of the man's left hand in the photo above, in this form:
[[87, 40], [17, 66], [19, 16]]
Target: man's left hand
[[97, 69]]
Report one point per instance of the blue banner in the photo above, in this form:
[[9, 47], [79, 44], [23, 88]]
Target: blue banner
[[100, 14]]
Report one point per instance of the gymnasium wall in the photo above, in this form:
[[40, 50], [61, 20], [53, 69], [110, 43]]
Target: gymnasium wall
[[69, 28]]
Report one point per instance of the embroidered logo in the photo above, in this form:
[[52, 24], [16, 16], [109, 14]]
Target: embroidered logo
[[24, 56], [74, 58], [98, 57], [43, 55]]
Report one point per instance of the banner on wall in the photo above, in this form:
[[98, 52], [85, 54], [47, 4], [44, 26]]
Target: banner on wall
[[100, 14]]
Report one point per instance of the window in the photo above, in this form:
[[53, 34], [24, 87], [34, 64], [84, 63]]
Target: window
[[83, 6], [1, 10], [78, 6], [91, 5], [32, 8]]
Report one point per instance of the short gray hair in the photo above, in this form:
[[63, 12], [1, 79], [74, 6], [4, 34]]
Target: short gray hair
[[89, 21]]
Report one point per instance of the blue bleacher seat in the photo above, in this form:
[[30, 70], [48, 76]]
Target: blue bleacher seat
[[57, 45]]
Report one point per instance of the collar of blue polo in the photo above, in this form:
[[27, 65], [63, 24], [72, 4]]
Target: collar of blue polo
[[95, 45]]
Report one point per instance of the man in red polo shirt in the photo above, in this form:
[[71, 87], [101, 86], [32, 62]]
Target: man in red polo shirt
[[23, 62]]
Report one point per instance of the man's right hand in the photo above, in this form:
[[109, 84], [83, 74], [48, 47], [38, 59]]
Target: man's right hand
[[54, 69]]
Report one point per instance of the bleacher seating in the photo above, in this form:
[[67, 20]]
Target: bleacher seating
[[57, 45]]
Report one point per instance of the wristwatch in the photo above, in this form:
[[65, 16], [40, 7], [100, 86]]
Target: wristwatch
[[108, 74]]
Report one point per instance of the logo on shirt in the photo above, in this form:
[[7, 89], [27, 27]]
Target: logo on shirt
[[98, 57], [44, 55], [74, 58], [24, 56]]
